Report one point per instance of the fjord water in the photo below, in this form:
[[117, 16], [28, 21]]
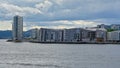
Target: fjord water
[[34, 55]]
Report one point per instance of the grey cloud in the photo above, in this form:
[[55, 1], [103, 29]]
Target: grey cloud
[[102, 11]]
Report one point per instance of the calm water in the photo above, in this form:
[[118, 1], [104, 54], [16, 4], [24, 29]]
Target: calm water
[[33, 55]]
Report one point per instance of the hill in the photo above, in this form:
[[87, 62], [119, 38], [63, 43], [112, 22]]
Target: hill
[[8, 34]]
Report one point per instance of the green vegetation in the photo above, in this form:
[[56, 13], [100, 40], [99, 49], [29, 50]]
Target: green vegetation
[[110, 30]]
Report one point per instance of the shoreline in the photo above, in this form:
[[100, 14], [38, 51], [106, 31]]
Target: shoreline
[[65, 42], [74, 42]]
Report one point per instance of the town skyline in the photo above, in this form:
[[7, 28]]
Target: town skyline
[[59, 13], [99, 34]]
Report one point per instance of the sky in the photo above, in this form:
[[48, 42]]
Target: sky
[[59, 13]]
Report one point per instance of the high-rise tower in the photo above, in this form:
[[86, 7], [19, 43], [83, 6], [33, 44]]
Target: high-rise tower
[[17, 28]]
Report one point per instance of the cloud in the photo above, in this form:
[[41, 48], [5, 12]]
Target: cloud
[[44, 6], [10, 10], [62, 9], [63, 24], [62, 13], [5, 25], [32, 1]]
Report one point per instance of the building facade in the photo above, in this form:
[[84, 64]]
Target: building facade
[[113, 36], [85, 35], [72, 35], [101, 35], [89, 35], [50, 35], [17, 28], [104, 26], [35, 34], [115, 26]]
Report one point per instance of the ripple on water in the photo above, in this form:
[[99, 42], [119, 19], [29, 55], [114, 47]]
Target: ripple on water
[[32, 64]]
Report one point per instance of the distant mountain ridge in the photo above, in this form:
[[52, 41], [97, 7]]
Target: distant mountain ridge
[[7, 34]]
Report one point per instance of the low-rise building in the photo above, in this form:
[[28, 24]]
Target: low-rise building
[[94, 35], [104, 26], [115, 26], [50, 35], [73, 35], [91, 34], [69, 35], [101, 35], [88, 35], [113, 36], [34, 34]]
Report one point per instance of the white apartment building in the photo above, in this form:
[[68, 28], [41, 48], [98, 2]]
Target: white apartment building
[[101, 35], [115, 26], [50, 35], [35, 33], [72, 35], [113, 36]]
